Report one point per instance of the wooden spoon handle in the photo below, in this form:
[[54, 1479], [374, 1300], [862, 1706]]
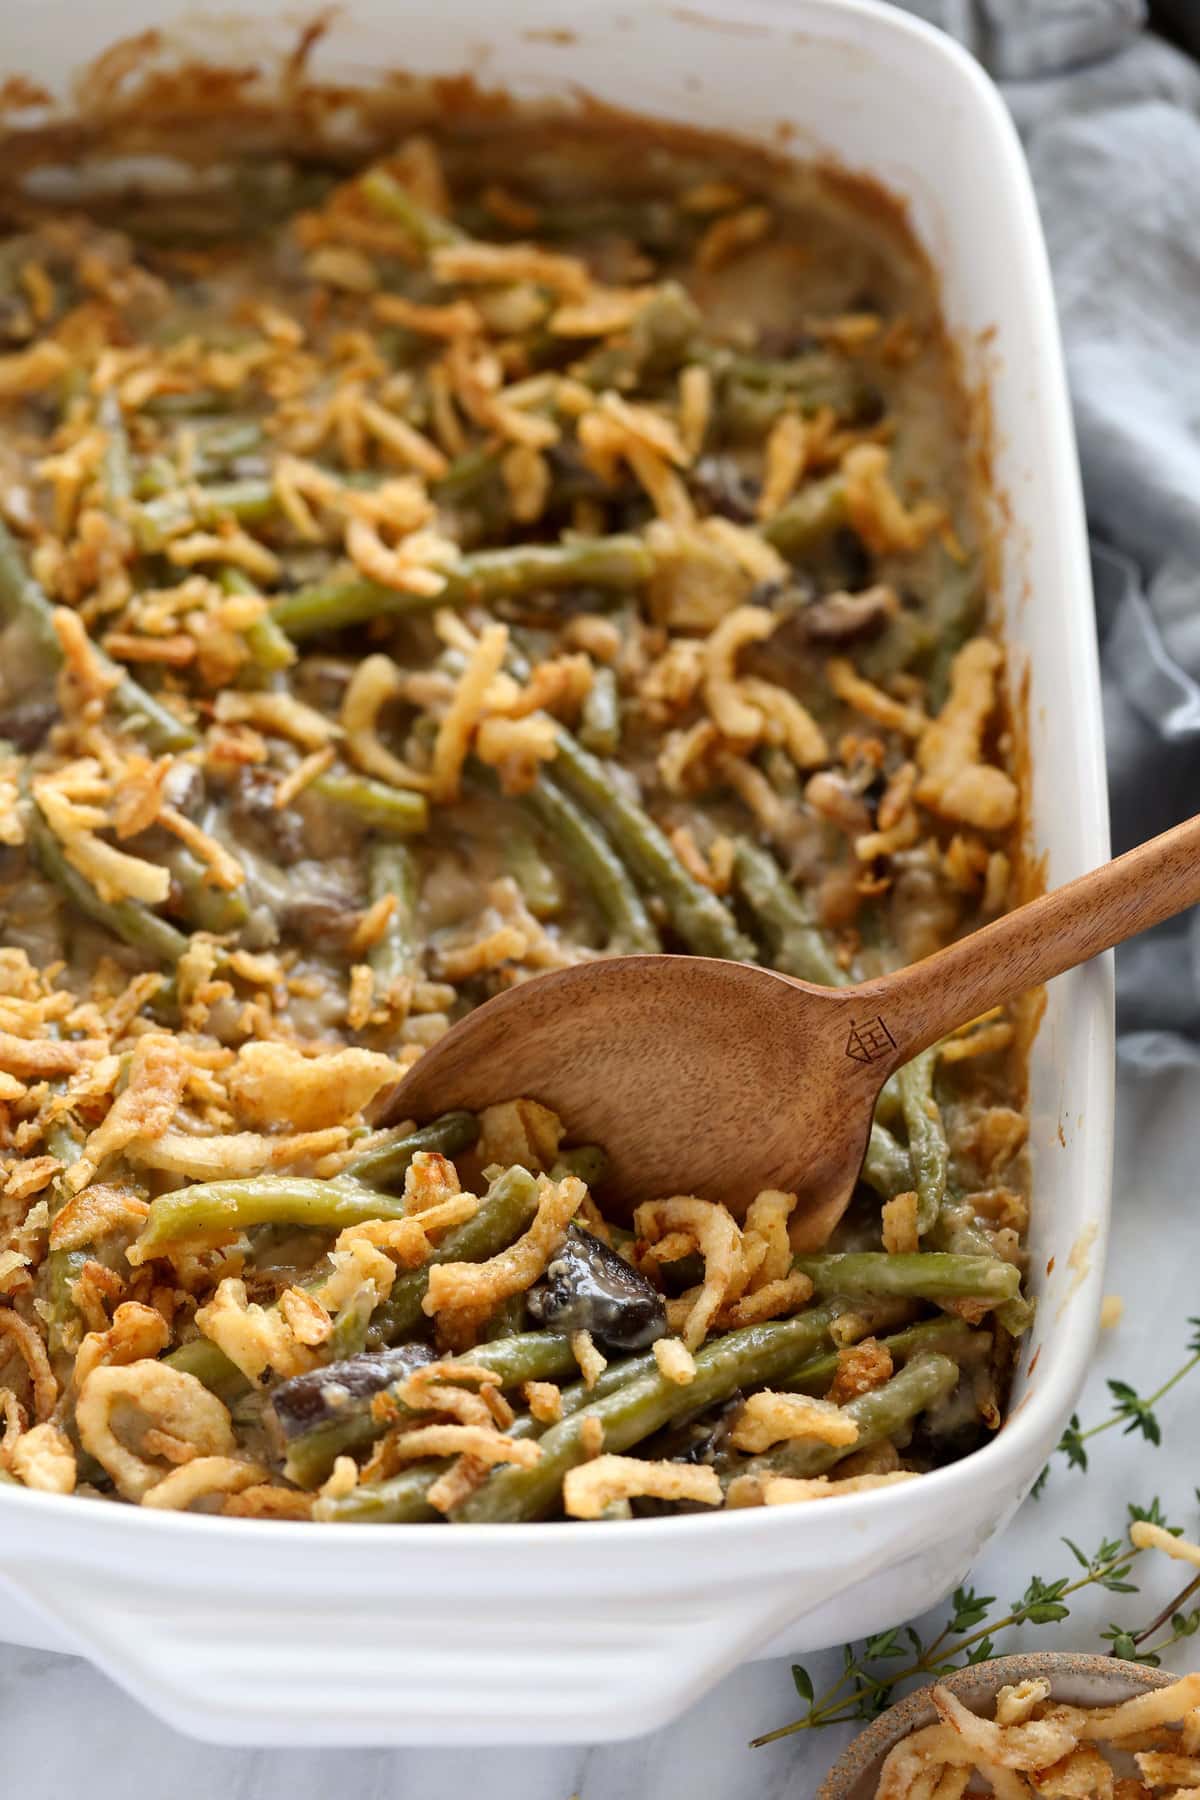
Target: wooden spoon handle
[[921, 1003]]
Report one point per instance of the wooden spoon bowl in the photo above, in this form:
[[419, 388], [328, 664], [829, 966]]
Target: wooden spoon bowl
[[698, 1076]]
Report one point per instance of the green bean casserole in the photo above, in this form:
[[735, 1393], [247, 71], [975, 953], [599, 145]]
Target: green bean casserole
[[532, 545]]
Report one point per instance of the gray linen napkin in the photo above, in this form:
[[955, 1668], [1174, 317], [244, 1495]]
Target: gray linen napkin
[[1110, 116]]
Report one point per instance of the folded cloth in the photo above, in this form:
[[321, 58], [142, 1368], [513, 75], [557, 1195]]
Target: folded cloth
[[1022, 38], [1111, 120]]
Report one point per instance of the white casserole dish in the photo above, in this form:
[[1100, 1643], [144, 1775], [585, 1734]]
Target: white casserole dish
[[300, 1634]]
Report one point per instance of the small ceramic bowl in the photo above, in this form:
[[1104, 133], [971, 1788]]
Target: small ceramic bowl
[[1074, 1679]]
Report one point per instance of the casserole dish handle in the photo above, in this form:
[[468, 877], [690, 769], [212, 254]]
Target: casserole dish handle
[[238, 1664]]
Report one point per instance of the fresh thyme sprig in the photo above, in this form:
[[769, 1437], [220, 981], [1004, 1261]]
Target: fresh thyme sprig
[[870, 1675], [969, 1636], [1130, 1410]]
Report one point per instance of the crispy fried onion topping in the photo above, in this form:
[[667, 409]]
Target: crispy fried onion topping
[[785, 1490], [162, 1411], [595, 1485], [43, 1458], [254, 1338], [158, 1074], [954, 780], [746, 1277], [769, 1418], [520, 1131], [29, 1346], [136, 1332], [202, 1476], [234, 1154], [693, 1224], [471, 1287], [272, 1084]]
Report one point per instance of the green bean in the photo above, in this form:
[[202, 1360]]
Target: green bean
[[450, 1135], [349, 1334], [400, 1501], [540, 885], [887, 1166], [961, 1233], [468, 475], [587, 1162], [392, 869], [385, 195], [600, 721], [21, 596], [505, 1211], [487, 576], [210, 1366], [128, 920], [118, 476], [927, 1145], [400, 812], [221, 441], [744, 1358], [797, 945], [595, 864], [952, 1337], [250, 500], [157, 475], [812, 515], [509, 1320], [223, 1208], [532, 1356], [270, 648], [196, 403], [206, 908], [658, 340], [915, 1275], [879, 1415], [812, 380], [699, 918]]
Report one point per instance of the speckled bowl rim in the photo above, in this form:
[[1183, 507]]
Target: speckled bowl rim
[[1060, 1668]]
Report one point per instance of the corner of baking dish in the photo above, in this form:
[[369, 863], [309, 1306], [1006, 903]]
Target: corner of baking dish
[[843, 78]]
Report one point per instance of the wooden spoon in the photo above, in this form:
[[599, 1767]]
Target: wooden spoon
[[721, 1079]]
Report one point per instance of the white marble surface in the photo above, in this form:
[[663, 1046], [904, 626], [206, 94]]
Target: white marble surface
[[65, 1730]]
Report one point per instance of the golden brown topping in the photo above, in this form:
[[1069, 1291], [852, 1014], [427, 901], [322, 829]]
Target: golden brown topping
[[768, 1418], [954, 781], [900, 1224], [43, 1458], [196, 1479], [178, 1407], [712, 1231], [460, 1286], [876, 511], [273, 1084], [860, 1368], [595, 1485]]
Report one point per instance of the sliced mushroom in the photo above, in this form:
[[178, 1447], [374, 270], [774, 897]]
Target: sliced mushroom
[[588, 1287], [316, 1398], [725, 488], [25, 724]]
